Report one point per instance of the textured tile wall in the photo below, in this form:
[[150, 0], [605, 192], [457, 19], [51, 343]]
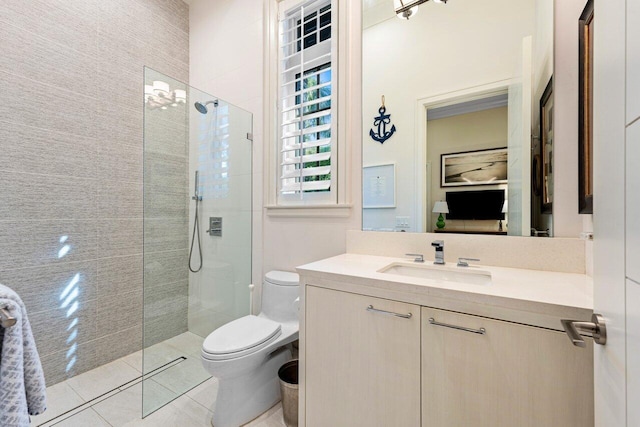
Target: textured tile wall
[[166, 233], [71, 175]]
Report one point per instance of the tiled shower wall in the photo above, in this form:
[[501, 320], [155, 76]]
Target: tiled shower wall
[[71, 167], [166, 164]]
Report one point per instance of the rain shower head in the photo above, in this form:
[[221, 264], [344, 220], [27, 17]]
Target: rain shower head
[[202, 108]]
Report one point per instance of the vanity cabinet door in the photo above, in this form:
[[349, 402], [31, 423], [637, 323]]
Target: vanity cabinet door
[[512, 375], [362, 367]]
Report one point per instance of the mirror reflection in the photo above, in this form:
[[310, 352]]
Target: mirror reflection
[[451, 94]]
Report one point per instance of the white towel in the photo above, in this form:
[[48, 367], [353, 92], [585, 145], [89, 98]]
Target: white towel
[[22, 386]]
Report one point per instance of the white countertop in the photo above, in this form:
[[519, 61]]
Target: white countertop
[[543, 292]]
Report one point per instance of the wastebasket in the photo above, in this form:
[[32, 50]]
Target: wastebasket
[[288, 374]]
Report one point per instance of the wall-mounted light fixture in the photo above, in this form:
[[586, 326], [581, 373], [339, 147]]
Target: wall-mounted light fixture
[[408, 8], [160, 95]]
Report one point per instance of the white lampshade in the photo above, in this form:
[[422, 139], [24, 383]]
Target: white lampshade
[[160, 88], [148, 92], [181, 96], [505, 207], [441, 207]]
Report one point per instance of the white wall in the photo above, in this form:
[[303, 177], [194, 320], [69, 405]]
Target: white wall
[[566, 220], [542, 52], [226, 60], [229, 49], [444, 48], [293, 241], [542, 72]]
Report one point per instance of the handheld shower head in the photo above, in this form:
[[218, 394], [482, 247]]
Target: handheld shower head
[[202, 108]]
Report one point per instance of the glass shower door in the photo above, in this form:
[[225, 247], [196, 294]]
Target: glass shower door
[[196, 273]]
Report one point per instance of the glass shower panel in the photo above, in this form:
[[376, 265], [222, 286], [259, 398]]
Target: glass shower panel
[[220, 152], [187, 130]]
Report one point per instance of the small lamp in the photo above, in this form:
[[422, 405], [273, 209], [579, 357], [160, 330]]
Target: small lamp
[[440, 207], [505, 209]]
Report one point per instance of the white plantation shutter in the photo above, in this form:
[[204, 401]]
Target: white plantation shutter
[[306, 101]]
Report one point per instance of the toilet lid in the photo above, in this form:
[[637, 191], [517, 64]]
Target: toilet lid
[[282, 278], [247, 333]]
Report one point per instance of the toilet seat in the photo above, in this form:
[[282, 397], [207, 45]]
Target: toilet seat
[[240, 337]]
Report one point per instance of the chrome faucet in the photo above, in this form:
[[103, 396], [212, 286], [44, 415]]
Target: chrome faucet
[[464, 262], [439, 245], [418, 257]]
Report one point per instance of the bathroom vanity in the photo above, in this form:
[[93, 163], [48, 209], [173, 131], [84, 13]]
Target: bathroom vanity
[[389, 342]]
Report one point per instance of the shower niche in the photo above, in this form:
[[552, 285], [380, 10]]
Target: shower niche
[[197, 177]]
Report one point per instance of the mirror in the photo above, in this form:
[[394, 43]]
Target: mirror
[[451, 112]]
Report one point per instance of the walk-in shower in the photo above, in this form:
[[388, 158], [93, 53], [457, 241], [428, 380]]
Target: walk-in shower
[[197, 173]]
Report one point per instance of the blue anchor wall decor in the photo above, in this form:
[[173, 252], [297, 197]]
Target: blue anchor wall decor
[[381, 122]]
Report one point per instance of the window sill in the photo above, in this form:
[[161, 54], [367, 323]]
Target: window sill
[[309, 211]]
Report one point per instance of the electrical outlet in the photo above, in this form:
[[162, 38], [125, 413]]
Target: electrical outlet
[[402, 223]]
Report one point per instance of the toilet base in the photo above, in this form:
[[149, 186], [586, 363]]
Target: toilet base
[[242, 398]]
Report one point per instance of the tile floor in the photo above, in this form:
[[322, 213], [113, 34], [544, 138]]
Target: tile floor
[[115, 392]]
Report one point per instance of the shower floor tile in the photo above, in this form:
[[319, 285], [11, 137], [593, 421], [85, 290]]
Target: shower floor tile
[[101, 380], [85, 418], [60, 399], [183, 376], [116, 391], [187, 342]]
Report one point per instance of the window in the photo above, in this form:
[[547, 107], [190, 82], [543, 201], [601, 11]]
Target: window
[[306, 103]]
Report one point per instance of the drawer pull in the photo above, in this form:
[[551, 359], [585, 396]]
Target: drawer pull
[[480, 331], [388, 313]]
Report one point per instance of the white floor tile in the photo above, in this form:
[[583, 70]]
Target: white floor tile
[[182, 412], [187, 342], [271, 418], [134, 360], [85, 418], [98, 381], [205, 394], [158, 355], [60, 399], [126, 406], [183, 376], [192, 409]]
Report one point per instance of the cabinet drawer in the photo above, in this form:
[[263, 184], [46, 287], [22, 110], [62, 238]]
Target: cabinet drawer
[[484, 372]]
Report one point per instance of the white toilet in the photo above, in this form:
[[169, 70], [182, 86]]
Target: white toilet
[[245, 354]]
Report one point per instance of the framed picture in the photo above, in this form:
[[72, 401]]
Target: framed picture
[[546, 147], [480, 167], [379, 186], [585, 111]]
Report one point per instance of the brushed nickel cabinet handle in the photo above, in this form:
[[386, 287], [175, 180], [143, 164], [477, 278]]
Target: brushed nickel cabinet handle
[[480, 331], [388, 313]]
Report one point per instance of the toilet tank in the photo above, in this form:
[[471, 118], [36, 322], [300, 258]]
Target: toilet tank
[[280, 292]]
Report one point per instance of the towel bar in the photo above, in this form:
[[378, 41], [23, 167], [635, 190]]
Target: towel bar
[[6, 320]]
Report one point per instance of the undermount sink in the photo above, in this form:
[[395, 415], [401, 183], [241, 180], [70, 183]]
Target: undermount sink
[[469, 275]]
